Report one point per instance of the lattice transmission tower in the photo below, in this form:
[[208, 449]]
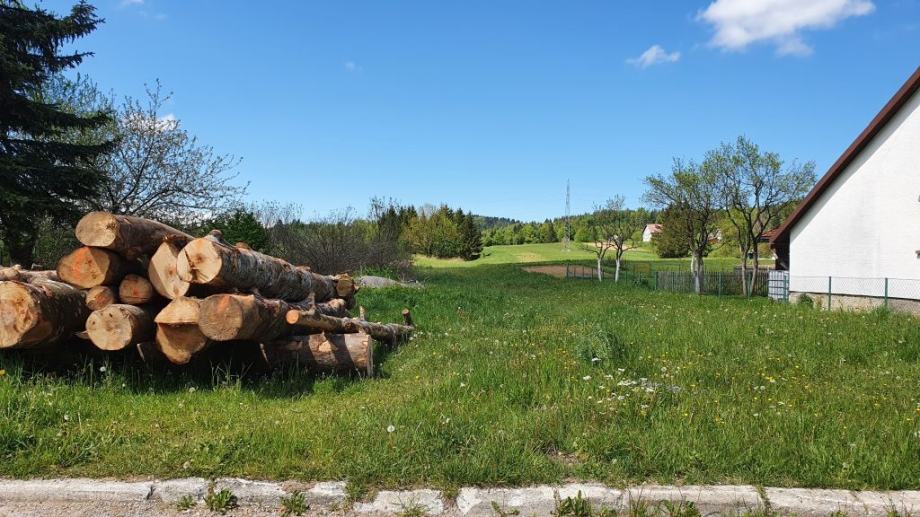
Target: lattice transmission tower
[[567, 227]]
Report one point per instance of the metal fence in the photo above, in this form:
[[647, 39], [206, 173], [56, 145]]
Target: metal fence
[[718, 283], [839, 291]]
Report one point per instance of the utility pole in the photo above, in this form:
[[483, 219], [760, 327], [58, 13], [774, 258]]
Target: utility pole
[[567, 228]]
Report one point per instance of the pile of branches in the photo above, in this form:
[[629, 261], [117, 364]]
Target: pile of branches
[[142, 285]]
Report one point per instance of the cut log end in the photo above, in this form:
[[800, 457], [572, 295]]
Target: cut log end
[[119, 326], [135, 290], [162, 271], [177, 334], [227, 317], [99, 229], [199, 262], [18, 315], [88, 267], [100, 297]]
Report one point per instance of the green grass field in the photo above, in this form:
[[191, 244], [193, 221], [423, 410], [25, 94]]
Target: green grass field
[[514, 378], [579, 253]]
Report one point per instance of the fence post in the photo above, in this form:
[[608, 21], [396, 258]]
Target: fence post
[[656, 280], [886, 292], [720, 283], [829, 291]]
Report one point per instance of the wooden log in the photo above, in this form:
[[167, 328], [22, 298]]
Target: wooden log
[[119, 326], [390, 333], [231, 317], [25, 275], [162, 273], [323, 353], [210, 261], [127, 235], [100, 297], [39, 312], [87, 267], [135, 290], [177, 332]]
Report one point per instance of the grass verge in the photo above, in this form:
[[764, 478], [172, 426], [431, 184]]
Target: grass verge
[[513, 379]]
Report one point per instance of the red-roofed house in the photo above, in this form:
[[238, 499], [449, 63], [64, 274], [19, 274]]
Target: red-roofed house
[[650, 230]]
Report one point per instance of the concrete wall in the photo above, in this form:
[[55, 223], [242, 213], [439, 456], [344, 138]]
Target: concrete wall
[[858, 303], [867, 223]]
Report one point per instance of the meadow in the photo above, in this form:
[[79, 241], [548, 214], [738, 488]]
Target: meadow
[[514, 378]]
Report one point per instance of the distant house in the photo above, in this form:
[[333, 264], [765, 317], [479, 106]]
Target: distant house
[[855, 238], [650, 229]]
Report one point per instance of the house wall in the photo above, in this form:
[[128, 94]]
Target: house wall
[[867, 223]]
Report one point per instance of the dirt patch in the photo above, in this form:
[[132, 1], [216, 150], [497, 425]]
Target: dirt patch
[[555, 271]]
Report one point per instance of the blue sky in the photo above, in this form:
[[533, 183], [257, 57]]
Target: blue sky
[[491, 105]]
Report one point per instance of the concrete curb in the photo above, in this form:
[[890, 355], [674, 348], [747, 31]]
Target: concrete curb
[[158, 496]]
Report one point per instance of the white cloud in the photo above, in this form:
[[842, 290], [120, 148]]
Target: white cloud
[[740, 23], [131, 2], [351, 66], [653, 56]]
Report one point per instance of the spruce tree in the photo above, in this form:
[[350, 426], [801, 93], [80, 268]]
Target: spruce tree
[[41, 174]]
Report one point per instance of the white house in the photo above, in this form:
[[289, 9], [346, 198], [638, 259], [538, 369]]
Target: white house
[[856, 235], [650, 229]]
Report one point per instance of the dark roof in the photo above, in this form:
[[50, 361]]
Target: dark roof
[[878, 123]]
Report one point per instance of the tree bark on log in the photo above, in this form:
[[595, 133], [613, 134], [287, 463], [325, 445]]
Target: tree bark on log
[[323, 353], [100, 297], [177, 332], [209, 261], [119, 326], [39, 312], [232, 317], [26, 275], [87, 267], [389, 333], [127, 235], [135, 290]]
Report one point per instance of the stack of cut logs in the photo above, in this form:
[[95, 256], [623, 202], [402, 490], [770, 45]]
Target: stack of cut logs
[[137, 283]]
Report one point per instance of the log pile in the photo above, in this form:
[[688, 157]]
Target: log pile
[[140, 285]]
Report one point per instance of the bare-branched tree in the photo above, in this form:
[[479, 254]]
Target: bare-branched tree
[[692, 189], [756, 187], [160, 170], [614, 226]]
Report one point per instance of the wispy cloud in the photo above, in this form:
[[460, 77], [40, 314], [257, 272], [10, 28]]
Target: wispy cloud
[[740, 23], [351, 66], [655, 55], [125, 3]]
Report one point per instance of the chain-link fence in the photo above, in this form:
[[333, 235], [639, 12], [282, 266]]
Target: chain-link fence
[[855, 292], [728, 283]]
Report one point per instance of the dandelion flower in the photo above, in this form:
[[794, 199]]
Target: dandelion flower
[[391, 428], [586, 378], [102, 369]]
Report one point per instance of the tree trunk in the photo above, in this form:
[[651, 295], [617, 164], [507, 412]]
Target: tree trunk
[[696, 267], [756, 270], [616, 273], [119, 326], [39, 312], [390, 333], [88, 267], [600, 271], [744, 278], [25, 275], [135, 290], [177, 332], [234, 317], [127, 235], [208, 261], [324, 353], [100, 297], [164, 276]]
